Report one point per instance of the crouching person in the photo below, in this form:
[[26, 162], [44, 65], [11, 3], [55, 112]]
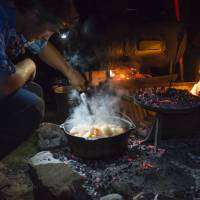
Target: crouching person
[[29, 24], [21, 110]]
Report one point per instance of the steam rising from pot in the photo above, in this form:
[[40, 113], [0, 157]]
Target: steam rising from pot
[[105, 107]]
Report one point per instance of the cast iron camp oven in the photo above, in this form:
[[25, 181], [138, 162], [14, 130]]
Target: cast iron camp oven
[[100, 148]]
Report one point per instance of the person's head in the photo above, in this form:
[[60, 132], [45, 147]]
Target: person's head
[[41, 18]]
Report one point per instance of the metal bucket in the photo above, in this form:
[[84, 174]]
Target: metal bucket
[[64, 103]]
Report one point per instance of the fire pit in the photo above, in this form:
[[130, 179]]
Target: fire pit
[[169, 104], [170, 100], [172, 173]]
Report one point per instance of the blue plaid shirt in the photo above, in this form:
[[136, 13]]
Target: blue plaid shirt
[[12, 44]]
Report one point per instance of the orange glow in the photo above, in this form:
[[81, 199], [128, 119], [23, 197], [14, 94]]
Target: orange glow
[[125, 73], [122, 76], [97, 77], [196, 89]]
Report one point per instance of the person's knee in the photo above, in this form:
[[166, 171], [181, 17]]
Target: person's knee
[[32, 117]]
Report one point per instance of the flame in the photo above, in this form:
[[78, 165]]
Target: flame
[[112, 74], [196, 89], [125, 73], [119, 74]]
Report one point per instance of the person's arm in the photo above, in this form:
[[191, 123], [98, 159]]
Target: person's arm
[[53, 58], [25, 70]]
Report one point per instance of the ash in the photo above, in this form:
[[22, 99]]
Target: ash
[[173, 172]]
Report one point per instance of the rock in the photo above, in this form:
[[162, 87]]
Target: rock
[[2, 166], [19, 187], [43, 157], [4, 182], [50, 136], [57, 180], [112, 197]]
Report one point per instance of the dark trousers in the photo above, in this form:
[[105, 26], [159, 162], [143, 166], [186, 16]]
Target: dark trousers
[[20, 115]]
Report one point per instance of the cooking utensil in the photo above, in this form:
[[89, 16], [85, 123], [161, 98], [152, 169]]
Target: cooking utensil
[[84, 99], [100, 147]]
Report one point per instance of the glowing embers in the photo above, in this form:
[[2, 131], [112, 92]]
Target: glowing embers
[[147, 165], [167, 98], [126, 73], [196, 89]]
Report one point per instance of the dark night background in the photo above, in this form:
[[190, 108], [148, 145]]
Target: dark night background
[[140, 10]]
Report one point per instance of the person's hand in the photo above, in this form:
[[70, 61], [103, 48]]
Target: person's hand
[[76, 80]]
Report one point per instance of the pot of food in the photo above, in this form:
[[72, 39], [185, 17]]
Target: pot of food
[[100, 140]]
